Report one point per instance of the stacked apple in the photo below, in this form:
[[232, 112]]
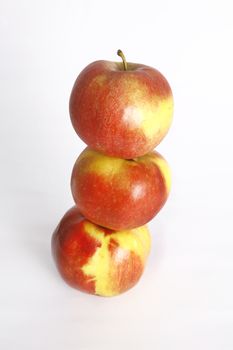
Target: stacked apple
[[121, 111]]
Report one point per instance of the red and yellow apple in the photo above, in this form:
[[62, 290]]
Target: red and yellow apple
[[123, 110], [119, 193], [97, 260]]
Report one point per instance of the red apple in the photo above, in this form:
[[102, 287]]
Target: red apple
[[123, 110], [97, 260], [119, 193]]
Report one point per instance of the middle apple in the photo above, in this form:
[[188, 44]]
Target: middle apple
[[119, 193]]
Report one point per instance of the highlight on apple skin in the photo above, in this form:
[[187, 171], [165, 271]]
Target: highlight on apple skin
[[97, 260], [118, 193], [122, 112]]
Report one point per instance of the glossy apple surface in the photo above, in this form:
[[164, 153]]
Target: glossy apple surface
[[122, 113], [97, 260], [119, 193]]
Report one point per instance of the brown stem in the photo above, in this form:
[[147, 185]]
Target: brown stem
[[120, 53]]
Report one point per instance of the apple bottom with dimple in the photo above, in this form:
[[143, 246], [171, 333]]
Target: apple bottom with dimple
[[97, 260]]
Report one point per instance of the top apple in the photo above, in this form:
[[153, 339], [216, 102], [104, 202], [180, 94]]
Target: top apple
[[121, 109]]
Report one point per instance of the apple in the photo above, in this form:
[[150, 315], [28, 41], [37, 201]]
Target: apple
[[119, 193], [121, 109], [97, 260]]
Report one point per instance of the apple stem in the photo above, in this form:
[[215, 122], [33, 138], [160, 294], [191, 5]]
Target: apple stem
[[120, 53]]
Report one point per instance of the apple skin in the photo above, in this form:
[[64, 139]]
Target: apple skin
[[122, 113], [96, 260], [118, 193]]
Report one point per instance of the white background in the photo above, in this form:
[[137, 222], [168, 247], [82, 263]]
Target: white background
[[185, 297]]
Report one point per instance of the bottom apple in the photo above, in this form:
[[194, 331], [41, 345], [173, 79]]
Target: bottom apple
[[98, 260]]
